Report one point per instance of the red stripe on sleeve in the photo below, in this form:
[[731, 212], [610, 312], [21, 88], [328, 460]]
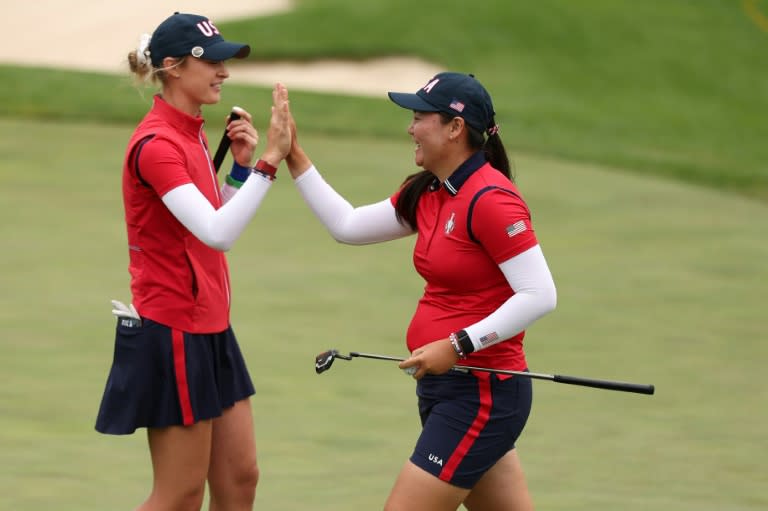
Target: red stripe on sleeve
[[481, 419], [180, 366]]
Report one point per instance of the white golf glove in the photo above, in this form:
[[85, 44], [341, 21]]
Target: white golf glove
[[126, 312]]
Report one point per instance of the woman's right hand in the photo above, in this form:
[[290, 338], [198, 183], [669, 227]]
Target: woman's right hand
[[434, 358], [279, 132]]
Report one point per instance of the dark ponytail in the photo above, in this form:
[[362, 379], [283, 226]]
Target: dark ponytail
[[410, 193], [496, 155]]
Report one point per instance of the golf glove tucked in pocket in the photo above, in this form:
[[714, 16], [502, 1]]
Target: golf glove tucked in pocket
[[127, 314]]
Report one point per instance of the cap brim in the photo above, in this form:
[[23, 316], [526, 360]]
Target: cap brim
[[224, 50], [412, 102]]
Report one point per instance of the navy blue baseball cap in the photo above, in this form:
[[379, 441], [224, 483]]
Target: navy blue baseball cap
[[457, 94], [189, 34]]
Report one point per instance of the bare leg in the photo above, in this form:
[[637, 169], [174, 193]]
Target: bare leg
[[502, 487], [180, 457], [417, 490], [233, 471]]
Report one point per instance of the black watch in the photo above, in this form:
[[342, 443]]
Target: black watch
[[465, 343]]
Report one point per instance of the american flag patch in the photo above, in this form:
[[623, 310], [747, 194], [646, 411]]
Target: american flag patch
[[489, 338], [516, 228], [457, 105]]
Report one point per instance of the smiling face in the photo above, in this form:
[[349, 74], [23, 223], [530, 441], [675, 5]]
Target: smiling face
[[431, 137], [441, 145], [194, 83]]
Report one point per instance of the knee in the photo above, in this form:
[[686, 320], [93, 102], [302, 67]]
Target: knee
[[237, 485], [249, 477], [246, 478]]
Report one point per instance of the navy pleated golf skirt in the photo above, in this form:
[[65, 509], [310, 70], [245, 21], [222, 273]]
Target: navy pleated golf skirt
[[162, 377]]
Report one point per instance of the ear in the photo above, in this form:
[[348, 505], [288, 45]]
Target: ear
[[457, 125], [170, 64]]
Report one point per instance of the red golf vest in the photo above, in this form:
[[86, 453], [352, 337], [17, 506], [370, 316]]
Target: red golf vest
[[176, 279]]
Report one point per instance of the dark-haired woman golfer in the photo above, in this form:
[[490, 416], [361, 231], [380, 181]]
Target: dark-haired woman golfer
[[486, 281]]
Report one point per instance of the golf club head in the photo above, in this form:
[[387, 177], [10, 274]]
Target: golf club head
[[324, 360]]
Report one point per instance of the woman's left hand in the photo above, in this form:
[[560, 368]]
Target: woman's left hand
[[434, 358], [244, 138]]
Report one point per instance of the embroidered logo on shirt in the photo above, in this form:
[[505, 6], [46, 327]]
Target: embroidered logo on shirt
[[516, 228], [450, 224]]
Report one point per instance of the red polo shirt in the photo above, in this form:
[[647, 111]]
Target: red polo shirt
[[463, 281], [176, 279]]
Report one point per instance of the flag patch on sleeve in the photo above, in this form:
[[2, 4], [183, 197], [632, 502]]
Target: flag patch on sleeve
[[489, 338], [516, 228]]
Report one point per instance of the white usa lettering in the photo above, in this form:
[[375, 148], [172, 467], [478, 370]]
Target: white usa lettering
[[428, 87], [207, 28], [435, 459]]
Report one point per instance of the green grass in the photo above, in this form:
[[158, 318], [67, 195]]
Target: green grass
[[658, 283], [659, 280], [669, 87]]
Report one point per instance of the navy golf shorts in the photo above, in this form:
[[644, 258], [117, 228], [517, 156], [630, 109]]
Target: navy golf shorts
[[162, 377], [469, 422]]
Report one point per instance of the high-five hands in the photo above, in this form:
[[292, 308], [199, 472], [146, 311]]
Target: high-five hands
[[279, 131], [297, 160]]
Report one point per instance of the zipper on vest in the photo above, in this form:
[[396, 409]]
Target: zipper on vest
[[208, 159]]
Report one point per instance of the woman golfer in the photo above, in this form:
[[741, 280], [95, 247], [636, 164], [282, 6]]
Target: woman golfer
[[486, 281], [177, 368]]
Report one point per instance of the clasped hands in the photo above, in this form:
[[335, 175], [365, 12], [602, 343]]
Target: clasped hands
[[281, 134]]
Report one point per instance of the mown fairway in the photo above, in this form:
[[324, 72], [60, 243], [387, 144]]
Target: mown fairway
[[638, 134], [658, 283]]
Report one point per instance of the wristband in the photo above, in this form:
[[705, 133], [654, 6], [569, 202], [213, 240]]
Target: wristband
[[237, 175], [265, 168], [456, 346]]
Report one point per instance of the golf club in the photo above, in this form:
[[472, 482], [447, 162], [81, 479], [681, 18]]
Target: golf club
[[221, 152], [324, 361]]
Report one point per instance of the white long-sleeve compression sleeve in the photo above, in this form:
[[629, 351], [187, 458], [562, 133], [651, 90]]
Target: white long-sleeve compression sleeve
[[217, 228], [535, 295], [227, 191], [361, 225]]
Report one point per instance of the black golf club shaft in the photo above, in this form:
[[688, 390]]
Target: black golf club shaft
[[224, 144], [638, 388], [377, 357]]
